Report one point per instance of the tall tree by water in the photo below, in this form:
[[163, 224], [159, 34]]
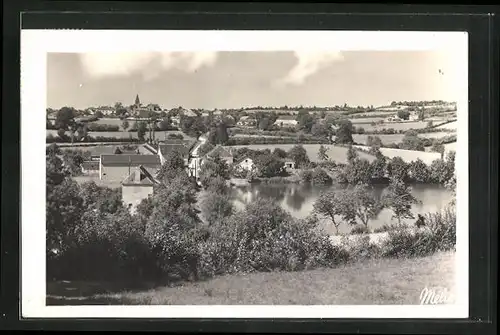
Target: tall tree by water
[[399, 199]]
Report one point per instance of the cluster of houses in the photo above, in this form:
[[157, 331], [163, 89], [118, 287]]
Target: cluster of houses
[[283, 121], [136, 168]]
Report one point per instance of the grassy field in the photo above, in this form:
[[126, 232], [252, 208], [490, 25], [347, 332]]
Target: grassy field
[[395, 125], [160, 135], [336, 153], [395, 138], [407, 155], [381, 281], [451, 125]]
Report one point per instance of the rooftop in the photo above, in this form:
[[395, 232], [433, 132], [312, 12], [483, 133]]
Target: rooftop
[[220, 151], [126, 160], [140, 176]]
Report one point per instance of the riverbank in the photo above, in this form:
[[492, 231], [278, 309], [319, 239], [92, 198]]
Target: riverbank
[[378, 281]]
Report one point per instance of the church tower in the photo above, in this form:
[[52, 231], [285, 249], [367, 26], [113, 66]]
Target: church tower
[[137, 101]]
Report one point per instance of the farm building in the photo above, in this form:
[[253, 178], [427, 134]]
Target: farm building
[[137, 186], [166, 148], [247, 121], [117, 167], [286, 121]]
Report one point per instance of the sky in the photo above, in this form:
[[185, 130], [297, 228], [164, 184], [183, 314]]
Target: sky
[[241, 79]]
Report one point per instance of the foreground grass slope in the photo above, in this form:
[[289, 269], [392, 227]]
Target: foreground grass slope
[[379, 281]]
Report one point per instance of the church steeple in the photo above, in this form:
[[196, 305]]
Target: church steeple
[[137, 101]]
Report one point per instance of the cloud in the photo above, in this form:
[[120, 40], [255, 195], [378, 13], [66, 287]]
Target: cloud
[[308, 63], [149, 64]]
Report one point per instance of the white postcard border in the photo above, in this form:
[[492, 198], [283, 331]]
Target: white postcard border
[[35, 44]]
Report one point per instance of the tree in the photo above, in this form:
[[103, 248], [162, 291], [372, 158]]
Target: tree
[[269, 165], [102, 199], [216, 206], [411, 141], [378, 167], [358, 171], [299, 155], [173, 166], [398, 169], [212, 168], [65, 117], [374, 142], [218, 134], [141, 130], [320, 177], [403, 114], [359, 203], [280, 153], [193, 125], [430, 124], [419, 171], [323, 153], [352, 155], [399, 199], [165, 123], [332, 205], [125, 125], [438, 147], [305, 121], [64, 209], [421, 115], [343, 134], [321, 129]]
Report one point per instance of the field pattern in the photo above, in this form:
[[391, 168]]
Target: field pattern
[[336, 153]]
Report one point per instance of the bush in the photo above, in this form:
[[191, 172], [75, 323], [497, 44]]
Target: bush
[[360, 248], [102, 127], [319, 177], [384, 228], [438, 235], [360, 229], [266, 238]]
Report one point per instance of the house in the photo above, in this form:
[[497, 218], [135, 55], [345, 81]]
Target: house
[[246, 164], [413, 116], [289, 165], [284, 121], [137, 186], [90, 168], [117, 167], [187, 112], [106, 110], [176, 120], [224, 153], [247, 121]]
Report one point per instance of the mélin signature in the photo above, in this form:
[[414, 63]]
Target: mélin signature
[[435, 296]]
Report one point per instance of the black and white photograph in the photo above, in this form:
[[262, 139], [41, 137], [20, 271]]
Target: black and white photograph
[[244, 173]]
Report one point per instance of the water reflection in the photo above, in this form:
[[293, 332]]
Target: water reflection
[[299, 199]]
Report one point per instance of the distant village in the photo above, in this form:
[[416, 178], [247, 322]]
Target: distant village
[[135, 165]]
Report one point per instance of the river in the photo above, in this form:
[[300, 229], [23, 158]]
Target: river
[[298, 200]]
